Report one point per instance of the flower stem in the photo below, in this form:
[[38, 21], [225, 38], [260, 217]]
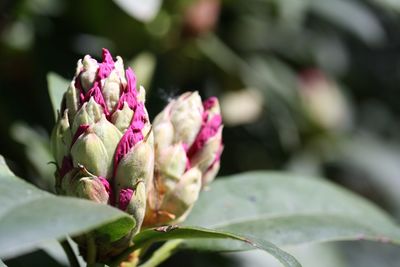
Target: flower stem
[[91, 251], [73, 260], [163, 253]]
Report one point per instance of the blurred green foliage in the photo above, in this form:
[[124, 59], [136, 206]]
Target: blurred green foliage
[[311, 85]]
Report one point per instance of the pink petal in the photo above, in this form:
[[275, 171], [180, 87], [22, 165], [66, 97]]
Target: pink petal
[[129, 95], [95, 92], [106, 66], [106, 184], [125, 196], [208, 130], [66, 166], [210, 103], [128, 140], [139, 117]]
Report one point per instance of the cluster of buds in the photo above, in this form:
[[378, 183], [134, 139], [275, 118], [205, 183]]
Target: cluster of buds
[[102, 142], [105, 150], [187, 139]]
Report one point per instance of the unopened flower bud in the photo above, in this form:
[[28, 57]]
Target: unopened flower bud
[[95, 148], [185, 193], [81, 183], [188, 145], [103, 142], [206, 150], [88, 72], [186, 116], [324, 104]]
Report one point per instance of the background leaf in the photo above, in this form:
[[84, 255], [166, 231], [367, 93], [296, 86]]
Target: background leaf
[[37, 149], [351, 16], [29, 216], [167, 233], [144, 11], [327, 253], [57, 86], [379, 161], [261, 204], [390, 5], [144, 66]]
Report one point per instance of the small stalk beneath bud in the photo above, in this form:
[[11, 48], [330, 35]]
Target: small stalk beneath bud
[[162, 254], [91, 251], [159, 256]]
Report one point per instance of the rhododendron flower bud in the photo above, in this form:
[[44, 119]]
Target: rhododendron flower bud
[[205, 152], [103, 142], [81, 183], [323, 101], [187, 138]]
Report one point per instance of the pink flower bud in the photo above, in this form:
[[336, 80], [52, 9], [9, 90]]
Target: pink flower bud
[[103, 143], [188, 146]]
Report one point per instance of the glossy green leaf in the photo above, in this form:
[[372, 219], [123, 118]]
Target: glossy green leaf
[[150, 236], [57, 86], [29, 215], [287, 210]]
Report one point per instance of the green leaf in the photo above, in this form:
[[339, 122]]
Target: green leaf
[[144, 65], [150, 236], [144, 11], [2, 264], [29, 215], [57, 86], [37, 149], [379, 160], [287, 210], [4, 170], [389, 5], [352, 16]]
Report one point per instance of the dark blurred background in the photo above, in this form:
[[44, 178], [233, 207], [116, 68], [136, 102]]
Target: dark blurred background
[[307, 86]]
